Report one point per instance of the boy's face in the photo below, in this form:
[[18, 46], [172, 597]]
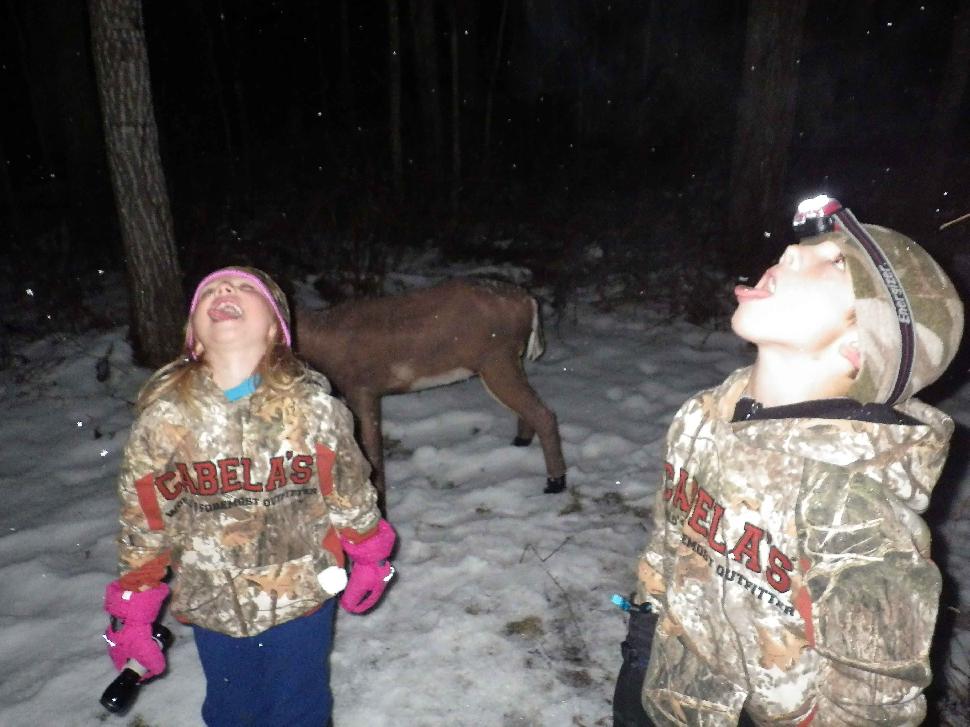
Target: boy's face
[[803, 303], [232, 312]]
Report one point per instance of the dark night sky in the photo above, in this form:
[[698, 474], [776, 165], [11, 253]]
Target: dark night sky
[[608, 119]]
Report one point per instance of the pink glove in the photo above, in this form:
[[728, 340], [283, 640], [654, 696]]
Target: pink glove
[[371, 570], [132, 639]]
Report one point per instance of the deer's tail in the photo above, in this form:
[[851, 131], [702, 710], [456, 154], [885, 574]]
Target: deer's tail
[[536, 344]]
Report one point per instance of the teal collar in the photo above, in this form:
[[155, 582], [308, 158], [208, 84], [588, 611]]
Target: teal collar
[[241, 391]]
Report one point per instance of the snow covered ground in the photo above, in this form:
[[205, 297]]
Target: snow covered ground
[[501, 613]]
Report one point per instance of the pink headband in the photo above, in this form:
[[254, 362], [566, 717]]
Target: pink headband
[[260, 286]]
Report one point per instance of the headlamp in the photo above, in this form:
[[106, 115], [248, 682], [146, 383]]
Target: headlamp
[[815, 216]]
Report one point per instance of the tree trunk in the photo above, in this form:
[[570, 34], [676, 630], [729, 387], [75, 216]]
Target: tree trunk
[[85, 172], [953, 89], [53, 40], [648, 64], [234, 43], [426, 69], [215, 78], [34, 91], [346, 87], [15, 233], [490, 96], [154, 281], [455, 112], [765, 118], [321, 23], [394, 95], [468, 22]]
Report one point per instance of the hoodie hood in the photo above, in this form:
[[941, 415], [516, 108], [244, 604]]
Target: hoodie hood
[[908, 314], [905, 459]]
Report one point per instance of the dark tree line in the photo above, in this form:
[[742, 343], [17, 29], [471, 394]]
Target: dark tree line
[[323, 132]]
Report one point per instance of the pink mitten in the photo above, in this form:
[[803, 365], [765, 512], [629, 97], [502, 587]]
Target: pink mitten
[[129, 634], [371, 570]]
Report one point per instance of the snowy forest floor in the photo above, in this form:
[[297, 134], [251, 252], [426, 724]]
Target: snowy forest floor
[[500, 614]]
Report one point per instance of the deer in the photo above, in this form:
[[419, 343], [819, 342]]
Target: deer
[[464, 327]]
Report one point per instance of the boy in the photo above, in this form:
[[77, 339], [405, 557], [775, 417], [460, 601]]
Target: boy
[[789, 574]]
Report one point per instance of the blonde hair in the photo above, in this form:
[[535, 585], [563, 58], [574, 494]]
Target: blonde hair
[[279, 371]]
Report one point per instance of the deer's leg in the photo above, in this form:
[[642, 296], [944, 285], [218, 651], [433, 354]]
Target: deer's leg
[[524, 434], [367, 408], [505, 379]]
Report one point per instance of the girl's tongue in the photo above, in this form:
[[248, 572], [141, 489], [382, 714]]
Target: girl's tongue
[[224, 311]]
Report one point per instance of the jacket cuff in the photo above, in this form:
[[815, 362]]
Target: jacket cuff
[[147, 575], [356, 536]]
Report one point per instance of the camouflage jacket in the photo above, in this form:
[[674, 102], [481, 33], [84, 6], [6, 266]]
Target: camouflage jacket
[[245, 500], [790, 567]]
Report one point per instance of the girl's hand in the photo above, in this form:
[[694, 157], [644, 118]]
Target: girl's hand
[[371, 570], [130, 633]]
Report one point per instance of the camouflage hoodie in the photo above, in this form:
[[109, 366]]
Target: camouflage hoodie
[[790, 567], [244, 499]]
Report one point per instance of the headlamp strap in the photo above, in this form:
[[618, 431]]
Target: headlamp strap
[[824, 213]]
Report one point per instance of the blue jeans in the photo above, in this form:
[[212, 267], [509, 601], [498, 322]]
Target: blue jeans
[[279, 677]]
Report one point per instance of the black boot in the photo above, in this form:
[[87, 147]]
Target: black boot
[[121, 693], [163, 637], [555, 484]]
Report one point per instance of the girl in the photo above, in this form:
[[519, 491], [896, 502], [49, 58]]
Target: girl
[[242, 475]]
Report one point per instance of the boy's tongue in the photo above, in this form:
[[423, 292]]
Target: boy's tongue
[[746, 292]]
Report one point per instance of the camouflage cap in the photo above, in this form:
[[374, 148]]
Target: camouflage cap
[[905, 291], [270, 291]]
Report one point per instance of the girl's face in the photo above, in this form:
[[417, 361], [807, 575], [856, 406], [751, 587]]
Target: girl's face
[[804, 303], [232, 313]]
